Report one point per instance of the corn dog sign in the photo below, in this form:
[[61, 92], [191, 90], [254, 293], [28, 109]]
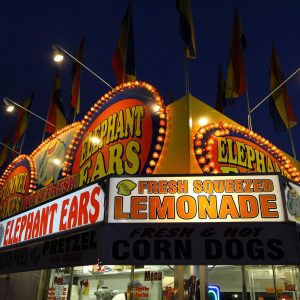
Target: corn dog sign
[[80, 208], [249, 198]]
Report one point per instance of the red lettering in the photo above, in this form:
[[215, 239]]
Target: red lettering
[[53, 209], [62, 224], [36, 225], [49, 191], [10, 238], [72, 183], [44, 221], [66, 185], [83, 214], [95, 204], [28, 226], [60, 187], [72, 219], [6, 233], [23, 225], [16, 230]]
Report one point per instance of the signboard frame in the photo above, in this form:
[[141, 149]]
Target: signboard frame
[[58, 233], [142, 208]]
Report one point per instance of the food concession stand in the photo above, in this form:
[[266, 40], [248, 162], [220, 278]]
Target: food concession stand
[[138, 198]]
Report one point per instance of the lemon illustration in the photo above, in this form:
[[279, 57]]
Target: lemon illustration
[[125, 187]]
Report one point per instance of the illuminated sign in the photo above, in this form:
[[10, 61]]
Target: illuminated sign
[[200, 198], [30, 180], [123, 133], [230, 148], [292, 196], [51, 191], [209, 243], [83, 207], [213, 292], [16, 183], [49, 157]]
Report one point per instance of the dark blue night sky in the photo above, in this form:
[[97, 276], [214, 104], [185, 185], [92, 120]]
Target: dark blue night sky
[[29, 28]]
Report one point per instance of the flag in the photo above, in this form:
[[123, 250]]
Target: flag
[[22, 122], [123, 61], [5, 150], [56, 114], [75, 94], [280, 106], [236, 80], [220, 101], [186, 27]]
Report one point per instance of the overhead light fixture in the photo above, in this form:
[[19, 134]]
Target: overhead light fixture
[[9, 107], [58, 57]]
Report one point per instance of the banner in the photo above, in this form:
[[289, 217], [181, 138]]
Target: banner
[[80, 208], [201, 244], [73, 250], [168, 199]]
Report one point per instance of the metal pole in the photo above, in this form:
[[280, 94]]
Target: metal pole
[[274, 283], [31, 112], [74, 58], [179, 282], [266, 98], [6, 146], [248, 104], [70, 283], [131, 282], [25, 132], [186, 75], [203, 283], [244, 287]]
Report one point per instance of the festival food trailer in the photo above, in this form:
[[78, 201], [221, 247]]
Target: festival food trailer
[[139, 198]]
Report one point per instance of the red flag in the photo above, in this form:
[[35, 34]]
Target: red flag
[[280, 106], [186, 25], [235, 80], [123, 61], [75, 97], [22, 122], [56, 115]]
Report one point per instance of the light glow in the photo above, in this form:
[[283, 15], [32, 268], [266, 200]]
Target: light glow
[[56, 161], [10, 108], [58, 57], [95, 140], [203, 121], [155, 108]]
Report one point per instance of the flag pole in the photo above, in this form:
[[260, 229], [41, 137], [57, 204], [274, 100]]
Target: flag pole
[[187, 90], [186, 74], [285, 109], [25, 132], [126, 39], [6, 146], [290, 131], [49, 106], [248, 103], [292, 142]]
